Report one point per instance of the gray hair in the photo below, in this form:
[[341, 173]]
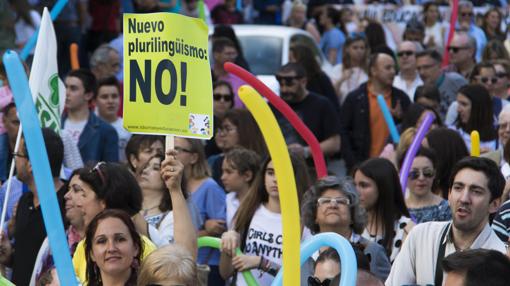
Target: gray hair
[[101, 55], [344, 185], [465, 3]]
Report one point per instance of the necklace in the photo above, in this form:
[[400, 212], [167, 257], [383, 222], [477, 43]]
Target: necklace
[[146, 211]]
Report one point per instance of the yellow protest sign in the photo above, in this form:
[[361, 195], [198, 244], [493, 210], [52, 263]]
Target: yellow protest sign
[[167, 76]]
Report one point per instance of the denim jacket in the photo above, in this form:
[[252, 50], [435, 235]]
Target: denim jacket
[[98, 141]]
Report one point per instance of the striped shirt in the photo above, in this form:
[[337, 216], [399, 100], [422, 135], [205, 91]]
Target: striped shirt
[[501, 222]]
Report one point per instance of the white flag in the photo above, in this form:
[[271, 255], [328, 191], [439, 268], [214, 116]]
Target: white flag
[[47, 89]]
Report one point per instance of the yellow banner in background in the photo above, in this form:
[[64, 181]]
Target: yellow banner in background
[[167, 76]]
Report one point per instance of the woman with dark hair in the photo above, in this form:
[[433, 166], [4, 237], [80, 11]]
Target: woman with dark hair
[[422, 203], [428, 96], [494, 50], [226, 31], [113, 249], [259, 212], [353, 70], [434, 27], [142, 147], [316, 80], [375, 36], [333, 39], [475, 113], [237, 129], [112, 186], [332, 205], [450, 147], [223, 101], [492, 25], [389, 222]]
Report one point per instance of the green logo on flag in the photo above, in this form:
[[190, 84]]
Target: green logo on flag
[[48, 107]]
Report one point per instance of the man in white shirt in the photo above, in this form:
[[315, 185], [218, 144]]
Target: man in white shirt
[[408, 78], [107, 103], [474, 194]]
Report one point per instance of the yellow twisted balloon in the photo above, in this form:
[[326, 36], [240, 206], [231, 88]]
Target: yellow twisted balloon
[[475, 143], [286, 181]]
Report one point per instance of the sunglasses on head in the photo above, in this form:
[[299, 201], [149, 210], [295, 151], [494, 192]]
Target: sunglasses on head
[[219, 96], [486, 80], [456, 49], [314, 281], [427, 173], [287, 80], [405, 53]]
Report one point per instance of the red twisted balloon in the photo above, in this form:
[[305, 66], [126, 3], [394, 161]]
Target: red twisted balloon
[[453, 21]]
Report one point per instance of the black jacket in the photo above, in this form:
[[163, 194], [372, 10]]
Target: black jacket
[[355, 123]]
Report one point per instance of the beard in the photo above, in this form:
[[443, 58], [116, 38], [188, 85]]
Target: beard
[[289, 96]]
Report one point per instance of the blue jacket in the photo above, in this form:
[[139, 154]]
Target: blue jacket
[[98, 141]]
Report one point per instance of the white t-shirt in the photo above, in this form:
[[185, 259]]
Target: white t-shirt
[[232, 203], [74, 129], [264, 238], [124, 136]]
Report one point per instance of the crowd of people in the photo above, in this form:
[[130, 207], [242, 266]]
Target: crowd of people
[[133, 211]]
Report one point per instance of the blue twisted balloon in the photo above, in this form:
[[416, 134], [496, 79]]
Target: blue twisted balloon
[[41, 168], [349, 266]]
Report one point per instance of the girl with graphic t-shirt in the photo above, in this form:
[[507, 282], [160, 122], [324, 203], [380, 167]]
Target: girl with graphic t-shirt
[[258, 228]]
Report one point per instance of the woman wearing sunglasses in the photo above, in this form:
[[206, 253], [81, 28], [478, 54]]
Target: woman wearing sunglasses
[[422, 203], [223, 101]]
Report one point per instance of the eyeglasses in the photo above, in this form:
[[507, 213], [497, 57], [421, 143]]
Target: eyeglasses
[[502, 74], [427, 173], [314, 281], [468, 14], [180, 150], [97, 169], [17, 154], [219, 97], [338, 201], [226, 129], [287, 80], [405, 53], [486, 79], [456, 49], [425, 67]]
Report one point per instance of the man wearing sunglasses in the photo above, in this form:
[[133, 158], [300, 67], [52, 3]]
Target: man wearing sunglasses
[[313, 109], [474, 193], [408, 79], [466, 22], [462, 54]]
